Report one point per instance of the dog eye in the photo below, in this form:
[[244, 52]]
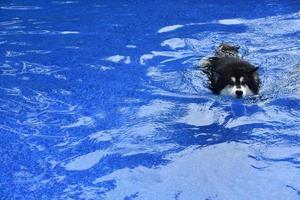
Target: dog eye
[[243, 83], [231, 83]]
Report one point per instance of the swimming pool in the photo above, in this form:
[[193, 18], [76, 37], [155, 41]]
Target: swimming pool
[[104, 100]]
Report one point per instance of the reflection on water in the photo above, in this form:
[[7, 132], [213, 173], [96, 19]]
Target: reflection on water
[[106, 101]]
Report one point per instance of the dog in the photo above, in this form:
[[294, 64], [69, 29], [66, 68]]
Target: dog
[[229, 74]]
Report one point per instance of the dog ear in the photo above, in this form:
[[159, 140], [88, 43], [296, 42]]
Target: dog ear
[[254, 70]]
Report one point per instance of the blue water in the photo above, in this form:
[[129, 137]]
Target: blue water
[[104, 100]]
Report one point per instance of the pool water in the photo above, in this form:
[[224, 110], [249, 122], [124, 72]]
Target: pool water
[[104, 100]]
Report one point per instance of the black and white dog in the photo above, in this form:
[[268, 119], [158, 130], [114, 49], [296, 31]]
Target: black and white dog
[[228, 74]]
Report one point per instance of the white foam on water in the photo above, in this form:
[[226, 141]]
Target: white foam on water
[[169, 28]]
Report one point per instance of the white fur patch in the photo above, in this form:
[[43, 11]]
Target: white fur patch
[[231, 91]]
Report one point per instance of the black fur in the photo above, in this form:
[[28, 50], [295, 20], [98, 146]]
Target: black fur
[[221, 69]]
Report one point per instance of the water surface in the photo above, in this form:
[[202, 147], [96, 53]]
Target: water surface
[[104, 100]]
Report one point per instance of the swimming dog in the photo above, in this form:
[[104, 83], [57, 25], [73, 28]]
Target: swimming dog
[[229, 74]]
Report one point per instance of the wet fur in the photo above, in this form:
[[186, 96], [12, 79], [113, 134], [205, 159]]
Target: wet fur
[[220, 71]]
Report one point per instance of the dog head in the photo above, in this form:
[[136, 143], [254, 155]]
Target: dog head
[[239, 79], [239, 86]]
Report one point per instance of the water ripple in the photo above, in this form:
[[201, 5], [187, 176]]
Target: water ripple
[[20, 7], [107, 101]]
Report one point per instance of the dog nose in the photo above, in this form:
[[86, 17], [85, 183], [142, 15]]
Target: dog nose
[[239, 93]]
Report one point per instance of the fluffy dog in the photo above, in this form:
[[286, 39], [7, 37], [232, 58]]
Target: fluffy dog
[[228, 74]]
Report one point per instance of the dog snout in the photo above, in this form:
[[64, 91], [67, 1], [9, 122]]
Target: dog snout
[[239, 93]]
